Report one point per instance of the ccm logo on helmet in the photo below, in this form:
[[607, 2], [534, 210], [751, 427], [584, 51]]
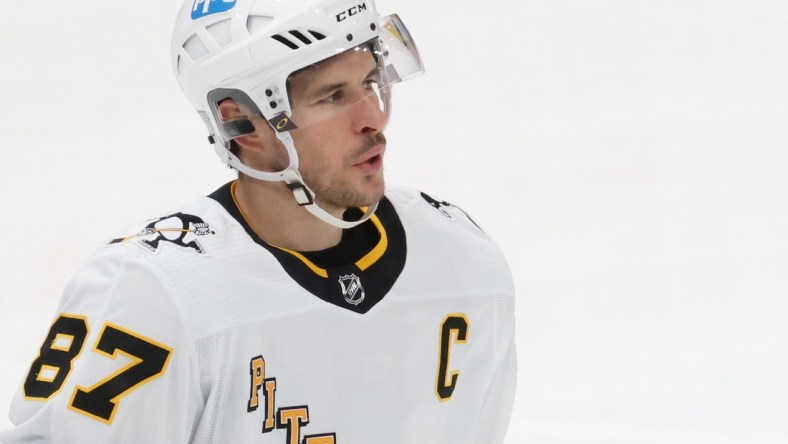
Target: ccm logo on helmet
[[202, 8], [351, 12]]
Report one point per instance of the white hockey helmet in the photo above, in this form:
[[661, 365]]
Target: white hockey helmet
[[248, 49]]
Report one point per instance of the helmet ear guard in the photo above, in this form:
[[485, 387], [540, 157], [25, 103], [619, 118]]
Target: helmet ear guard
[[238, 127], [234, 127], [248, 51]]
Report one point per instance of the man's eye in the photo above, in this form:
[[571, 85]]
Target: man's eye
[[336, 96]]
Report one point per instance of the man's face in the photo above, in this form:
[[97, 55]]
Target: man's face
[[340, 141]]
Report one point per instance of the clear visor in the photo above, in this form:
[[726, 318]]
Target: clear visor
[[401, 57], [357, 81]]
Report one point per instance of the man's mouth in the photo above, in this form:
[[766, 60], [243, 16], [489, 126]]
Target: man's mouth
[[371, 161]]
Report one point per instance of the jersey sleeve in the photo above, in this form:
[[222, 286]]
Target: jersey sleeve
[[116, 366], [496, 409], [499, 400]]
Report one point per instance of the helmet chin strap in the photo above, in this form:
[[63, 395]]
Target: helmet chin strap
[[303, 195], [306, 198]]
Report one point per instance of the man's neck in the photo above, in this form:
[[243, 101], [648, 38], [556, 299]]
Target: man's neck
[[274, 215]]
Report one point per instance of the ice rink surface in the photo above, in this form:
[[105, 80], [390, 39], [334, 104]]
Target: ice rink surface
[[629, 156]]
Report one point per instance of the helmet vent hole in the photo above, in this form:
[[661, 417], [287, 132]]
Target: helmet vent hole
[[301, 37], [195, 47], [284, 41], [256, 24], [295, 38], [317, 35], [221, 32]]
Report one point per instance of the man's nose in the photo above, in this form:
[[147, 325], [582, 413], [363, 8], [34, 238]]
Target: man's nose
[[368, 114]]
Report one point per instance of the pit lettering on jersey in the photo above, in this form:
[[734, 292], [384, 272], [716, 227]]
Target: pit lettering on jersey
[[257, 371], [291, 419]]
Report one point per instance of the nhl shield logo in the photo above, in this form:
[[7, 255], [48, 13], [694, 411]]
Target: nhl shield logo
[[352, 289]]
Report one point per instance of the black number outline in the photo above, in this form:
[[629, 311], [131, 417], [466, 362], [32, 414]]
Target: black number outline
[[149, 361], [66, 325]]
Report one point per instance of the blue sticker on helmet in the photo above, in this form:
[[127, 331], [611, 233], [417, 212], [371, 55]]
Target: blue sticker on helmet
[[202, 8]]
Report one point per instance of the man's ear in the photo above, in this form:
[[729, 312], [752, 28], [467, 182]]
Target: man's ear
[[229, 110]]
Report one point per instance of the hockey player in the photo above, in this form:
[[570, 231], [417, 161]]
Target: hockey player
[[303, 303]]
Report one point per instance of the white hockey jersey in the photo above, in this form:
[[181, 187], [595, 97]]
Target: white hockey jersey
[[194, 330]]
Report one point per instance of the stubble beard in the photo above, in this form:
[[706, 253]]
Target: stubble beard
[[339, 192], [343, 195]]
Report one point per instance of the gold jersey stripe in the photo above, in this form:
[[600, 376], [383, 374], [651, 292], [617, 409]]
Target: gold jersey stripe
[[376, 253], [365, 262]]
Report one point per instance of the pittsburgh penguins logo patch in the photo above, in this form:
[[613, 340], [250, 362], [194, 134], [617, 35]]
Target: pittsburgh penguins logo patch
[[179, 229], [442, 206], [438, 205]]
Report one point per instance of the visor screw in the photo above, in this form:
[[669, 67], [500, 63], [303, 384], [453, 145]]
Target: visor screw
[[269, 93], [211, 140], [349, 37], [272, 104], [372, 26]]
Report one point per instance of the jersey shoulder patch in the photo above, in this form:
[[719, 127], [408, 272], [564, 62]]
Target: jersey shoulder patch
[[448, 210], [408, 199], [180, 230]]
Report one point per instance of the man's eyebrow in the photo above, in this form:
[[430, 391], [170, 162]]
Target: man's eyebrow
[[372, 71], [325, 89]]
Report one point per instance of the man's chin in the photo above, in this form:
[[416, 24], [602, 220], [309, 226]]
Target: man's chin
[[377, 193], [352, 199]]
